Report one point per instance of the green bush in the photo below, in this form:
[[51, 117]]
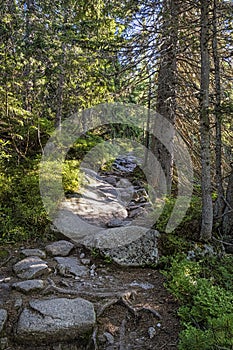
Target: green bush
[[182, 277], [22, 214], [71, 176], [206, 312]]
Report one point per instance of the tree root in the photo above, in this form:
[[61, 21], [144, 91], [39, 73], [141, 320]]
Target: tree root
[[10, 256], [53, 288]]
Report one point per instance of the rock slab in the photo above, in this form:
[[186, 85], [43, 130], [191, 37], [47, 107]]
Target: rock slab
[[127, 246], [55, 320]]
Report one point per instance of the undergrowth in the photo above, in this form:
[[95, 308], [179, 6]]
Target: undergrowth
[[204, 289]]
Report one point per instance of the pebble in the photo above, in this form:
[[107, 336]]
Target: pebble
[[151, 332], [18, 303]]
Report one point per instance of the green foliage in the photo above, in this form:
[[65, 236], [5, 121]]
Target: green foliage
[[182, 278], [22, 213], [193, 213], [71, 176], [207, 307]]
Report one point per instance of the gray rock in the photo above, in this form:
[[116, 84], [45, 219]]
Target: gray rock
[[61, 248], [18, 303], [109, 337], [55, 320], [33, 252], [71, 266], [85, 261], [151, 332], [31, 267], [124, 183], [28, 286], [118, 223], [136, 212], [111, 180], [127, 246], [3, 318], [125, 195]]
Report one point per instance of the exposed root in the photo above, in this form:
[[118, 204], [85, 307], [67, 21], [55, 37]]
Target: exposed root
[[10, 256], [93, 340], [53, 288], [122, 335]]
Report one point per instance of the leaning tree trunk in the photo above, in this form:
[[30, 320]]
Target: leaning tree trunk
[[166, 95], [228, 213], [207, 204]]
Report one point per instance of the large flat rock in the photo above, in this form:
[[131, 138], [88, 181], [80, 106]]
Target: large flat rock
[[127, 246], [55, 320]]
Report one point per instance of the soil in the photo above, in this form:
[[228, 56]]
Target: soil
[[146, 291]]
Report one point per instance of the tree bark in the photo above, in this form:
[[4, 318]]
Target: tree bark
[[228, 213], [207, 204], [219, 204], [166, 95]]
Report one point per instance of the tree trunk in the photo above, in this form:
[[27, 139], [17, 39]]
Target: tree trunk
[[166, 95], [228, 214], [219, 204], [207, 204]]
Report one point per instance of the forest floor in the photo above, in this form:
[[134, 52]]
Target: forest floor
[[154, 326]]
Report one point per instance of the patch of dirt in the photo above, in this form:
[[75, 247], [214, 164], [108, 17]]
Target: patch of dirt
[[134, 308]]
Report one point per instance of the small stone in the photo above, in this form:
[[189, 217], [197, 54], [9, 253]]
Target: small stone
[[71, 265], [61, 248], [18, 303], [151, 332], [82, 256], [85, 261], [28, 286], [3, 318], [31, 267], [109, 337], [33, 252], [158, 325]]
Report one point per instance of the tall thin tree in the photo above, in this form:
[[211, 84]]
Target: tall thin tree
[[207, 204]]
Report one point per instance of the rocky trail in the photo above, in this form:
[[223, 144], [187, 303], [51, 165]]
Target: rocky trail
[[92, 290]]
